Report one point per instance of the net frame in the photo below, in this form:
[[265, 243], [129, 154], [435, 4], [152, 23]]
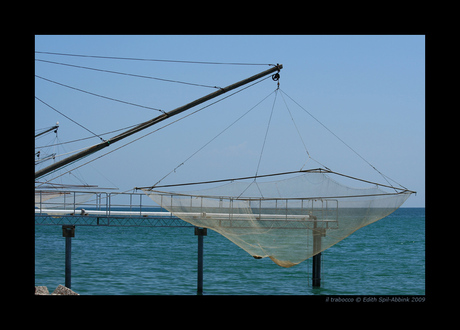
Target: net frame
[[286, 220]]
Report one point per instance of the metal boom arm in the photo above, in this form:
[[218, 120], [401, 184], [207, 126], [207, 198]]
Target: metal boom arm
[[151, 122]]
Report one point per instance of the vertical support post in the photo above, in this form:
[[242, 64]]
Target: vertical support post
[[318, 232], [316, 271], [200, 232], [68, 231]]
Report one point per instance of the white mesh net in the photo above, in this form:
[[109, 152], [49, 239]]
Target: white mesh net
[[287, 220]]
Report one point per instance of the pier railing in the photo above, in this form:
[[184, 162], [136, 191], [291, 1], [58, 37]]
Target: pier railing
[[91, 208]]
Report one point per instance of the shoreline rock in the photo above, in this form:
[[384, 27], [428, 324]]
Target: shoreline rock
[[60, 291], [41, 291]]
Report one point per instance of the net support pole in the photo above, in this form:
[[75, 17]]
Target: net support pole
[[200, 232], [316, 267], [73, 158], [316, 272], [68, 231]]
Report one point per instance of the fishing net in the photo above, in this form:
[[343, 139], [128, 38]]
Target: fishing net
[[286, 220]]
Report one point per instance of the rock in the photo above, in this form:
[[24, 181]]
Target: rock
[[41, 291], [62, 290]]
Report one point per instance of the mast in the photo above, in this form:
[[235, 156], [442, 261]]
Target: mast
[[49, 130], [151, 122]]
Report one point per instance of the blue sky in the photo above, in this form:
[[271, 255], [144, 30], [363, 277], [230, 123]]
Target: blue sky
[[368, 90]]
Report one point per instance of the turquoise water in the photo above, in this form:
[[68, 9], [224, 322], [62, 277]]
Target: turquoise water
[[384, 258]]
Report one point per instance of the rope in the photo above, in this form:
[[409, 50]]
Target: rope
[[88, 137], [153, 60], [295, 125], [301, 139], [315, 170], [215, 137], [98, 95], [384, 176], [266, 132], [129, 74], [70, 119], [198, 110], [221, 180]]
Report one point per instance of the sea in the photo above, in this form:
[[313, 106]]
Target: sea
[[384, 258]]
